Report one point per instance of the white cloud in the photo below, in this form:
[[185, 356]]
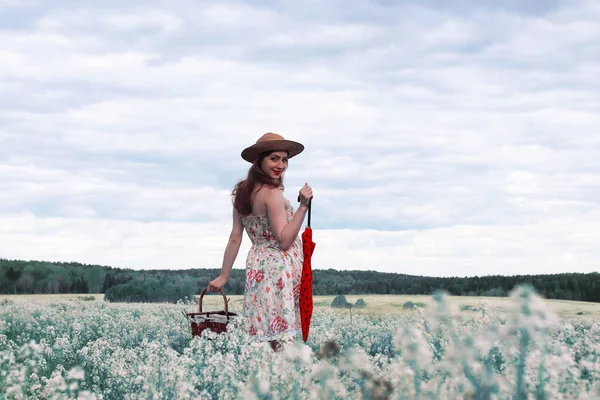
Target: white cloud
[[534, 248], [461, 138]]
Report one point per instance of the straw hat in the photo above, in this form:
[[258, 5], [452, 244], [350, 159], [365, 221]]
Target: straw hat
[[271, 142]]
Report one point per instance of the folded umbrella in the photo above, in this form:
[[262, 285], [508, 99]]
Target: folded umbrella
[[306, 295]]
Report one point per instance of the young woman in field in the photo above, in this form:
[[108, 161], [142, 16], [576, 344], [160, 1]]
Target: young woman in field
[[274, 262]]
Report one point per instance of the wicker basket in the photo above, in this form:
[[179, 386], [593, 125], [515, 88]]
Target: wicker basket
[[215, 321]]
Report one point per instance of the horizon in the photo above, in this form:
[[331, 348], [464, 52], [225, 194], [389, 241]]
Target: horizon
[[449, 139], [314, 269]]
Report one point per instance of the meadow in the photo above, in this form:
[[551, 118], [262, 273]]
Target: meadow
[[521, 347]]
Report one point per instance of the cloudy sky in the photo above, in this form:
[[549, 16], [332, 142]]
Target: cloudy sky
[[442, 138]]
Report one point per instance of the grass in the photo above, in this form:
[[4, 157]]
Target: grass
[[378, 305], [451, 348]]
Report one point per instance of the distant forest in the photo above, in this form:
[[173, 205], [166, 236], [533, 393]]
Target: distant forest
[[117, 284]]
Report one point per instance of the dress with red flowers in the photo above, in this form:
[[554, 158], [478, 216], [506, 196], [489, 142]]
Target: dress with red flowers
[[272, 281]]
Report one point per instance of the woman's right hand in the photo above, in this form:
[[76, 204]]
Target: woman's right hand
[[305, 194], [217, 284]]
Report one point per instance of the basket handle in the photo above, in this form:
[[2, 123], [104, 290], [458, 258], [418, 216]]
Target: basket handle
[[224, 300]]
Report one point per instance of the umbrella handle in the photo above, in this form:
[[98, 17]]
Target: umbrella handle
[[309, 207]]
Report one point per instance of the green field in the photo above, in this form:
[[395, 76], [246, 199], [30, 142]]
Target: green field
[[378, 304], [66, 346]]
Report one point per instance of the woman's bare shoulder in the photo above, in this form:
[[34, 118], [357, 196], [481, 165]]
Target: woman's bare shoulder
[[269, 196], [269, 192], [264, 197]]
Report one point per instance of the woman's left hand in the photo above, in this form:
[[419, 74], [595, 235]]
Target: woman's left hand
[[217, 284]]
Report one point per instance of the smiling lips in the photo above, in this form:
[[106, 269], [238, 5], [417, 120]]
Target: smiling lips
[[277, 172]]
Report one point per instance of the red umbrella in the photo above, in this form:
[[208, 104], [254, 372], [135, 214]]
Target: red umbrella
[[306, 296]]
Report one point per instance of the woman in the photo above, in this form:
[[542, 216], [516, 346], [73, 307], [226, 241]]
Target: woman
[[274, 262]]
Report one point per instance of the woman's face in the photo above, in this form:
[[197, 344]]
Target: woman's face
[[275, 164]]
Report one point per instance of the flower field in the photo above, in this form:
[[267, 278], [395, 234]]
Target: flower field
[[62, 349]]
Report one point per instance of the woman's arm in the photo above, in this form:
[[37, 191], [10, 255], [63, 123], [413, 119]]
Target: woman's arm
[[231, 252], [285, 233]]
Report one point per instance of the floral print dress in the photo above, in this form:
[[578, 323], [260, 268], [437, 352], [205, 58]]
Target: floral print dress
[[272, 282]]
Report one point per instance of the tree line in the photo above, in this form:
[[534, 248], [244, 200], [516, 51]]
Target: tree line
[[118, 284]]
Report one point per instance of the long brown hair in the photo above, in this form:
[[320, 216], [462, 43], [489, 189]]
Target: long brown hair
[[243, 190]]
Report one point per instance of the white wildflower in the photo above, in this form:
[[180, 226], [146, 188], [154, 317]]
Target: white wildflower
[[76, 373], [264, 386]]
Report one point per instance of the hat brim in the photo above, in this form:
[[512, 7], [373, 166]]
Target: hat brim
[[251, 153]]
